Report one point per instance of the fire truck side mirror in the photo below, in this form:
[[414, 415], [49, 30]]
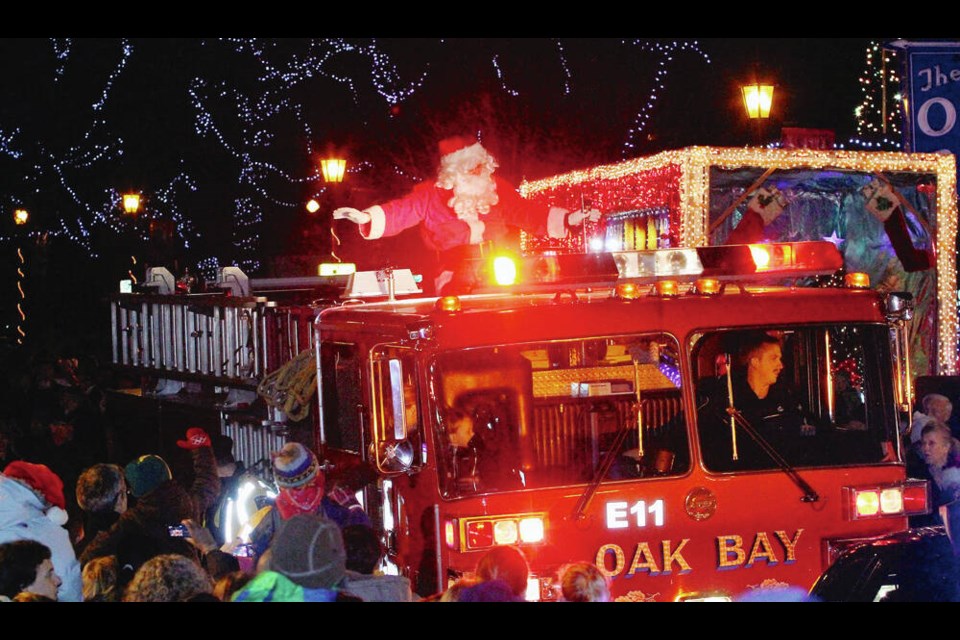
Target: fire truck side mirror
[[395, 457], [898, 305]]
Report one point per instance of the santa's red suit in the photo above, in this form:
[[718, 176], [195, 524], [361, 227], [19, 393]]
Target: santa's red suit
[[442, 230]]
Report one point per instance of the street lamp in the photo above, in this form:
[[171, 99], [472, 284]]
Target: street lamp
[[757, 100], [333, 170], [131, 203], [20, 217]]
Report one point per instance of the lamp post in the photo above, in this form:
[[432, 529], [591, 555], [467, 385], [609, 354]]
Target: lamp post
[[757, 100], [20, 218], [130, 203], [333, 169]]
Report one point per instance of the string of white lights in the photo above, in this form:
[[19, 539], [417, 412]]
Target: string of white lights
[[127, 50], [61, 50], [666, 52]]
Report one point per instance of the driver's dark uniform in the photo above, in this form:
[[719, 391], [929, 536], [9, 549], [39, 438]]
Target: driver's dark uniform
[[778, 418]]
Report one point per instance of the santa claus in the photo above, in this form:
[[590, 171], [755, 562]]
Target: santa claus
[[465, 209]]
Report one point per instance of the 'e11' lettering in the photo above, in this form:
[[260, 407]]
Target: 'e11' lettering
[[618, 513]]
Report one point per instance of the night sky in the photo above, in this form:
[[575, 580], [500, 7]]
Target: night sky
[[222, 135]]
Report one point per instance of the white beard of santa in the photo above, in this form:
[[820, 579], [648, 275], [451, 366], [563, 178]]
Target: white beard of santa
[[473, 195], [468, 172]]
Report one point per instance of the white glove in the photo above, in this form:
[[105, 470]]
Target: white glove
[[575, 218], [351, 214]]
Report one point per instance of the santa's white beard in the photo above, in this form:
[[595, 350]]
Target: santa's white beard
[[473, 195]]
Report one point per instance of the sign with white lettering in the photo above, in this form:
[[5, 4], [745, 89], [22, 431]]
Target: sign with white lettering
[[932, 86]]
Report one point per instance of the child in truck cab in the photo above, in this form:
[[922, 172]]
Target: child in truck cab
[[478, 461]]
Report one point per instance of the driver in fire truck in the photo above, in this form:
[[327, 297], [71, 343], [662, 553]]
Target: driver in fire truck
[[756, 394]]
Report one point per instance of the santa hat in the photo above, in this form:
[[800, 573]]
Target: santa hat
[[294, 466], [463, 154], [454, 144], [40, 478]]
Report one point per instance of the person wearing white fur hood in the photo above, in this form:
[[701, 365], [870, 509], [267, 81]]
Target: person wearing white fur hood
[[32, 507], [465, 212]]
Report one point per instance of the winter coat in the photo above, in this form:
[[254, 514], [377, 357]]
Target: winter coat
[[141, 532], [25, 516], [378, 588], [270, 586]]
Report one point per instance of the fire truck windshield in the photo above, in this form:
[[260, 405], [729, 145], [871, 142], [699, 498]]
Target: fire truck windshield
[[547, 414], [817, 395], [521, 416]]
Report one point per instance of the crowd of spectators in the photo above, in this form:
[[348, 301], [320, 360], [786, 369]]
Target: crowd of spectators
[[83, 521]]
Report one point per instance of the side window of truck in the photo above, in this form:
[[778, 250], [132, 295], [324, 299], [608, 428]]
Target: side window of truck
[[340, 370], [818, 395]]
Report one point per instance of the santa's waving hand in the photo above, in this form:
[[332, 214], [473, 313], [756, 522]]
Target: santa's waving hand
[[351, 214]]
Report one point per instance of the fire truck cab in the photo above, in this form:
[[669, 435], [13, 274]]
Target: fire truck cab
[[597, 408]]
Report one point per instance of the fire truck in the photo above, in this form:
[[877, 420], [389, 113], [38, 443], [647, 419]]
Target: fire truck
[[580, 406], [589, 437]]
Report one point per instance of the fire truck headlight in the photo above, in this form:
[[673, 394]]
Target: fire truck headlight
[[903, 499], [531, 530], [504, 271], [479, 535], [506, 532], [867, 503], [891, 500]]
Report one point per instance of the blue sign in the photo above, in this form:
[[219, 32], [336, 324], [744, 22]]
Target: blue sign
[[932, 87]]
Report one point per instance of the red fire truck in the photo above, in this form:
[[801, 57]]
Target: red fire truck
[[587, 434], [585, 411]]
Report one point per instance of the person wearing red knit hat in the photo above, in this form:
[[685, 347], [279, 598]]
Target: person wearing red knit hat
[[466, 209], [32, 507]]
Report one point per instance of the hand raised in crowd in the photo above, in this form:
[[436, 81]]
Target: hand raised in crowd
[[196, 438], [199, 536]]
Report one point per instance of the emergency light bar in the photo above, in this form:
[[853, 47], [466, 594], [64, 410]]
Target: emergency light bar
[[724, 262]]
